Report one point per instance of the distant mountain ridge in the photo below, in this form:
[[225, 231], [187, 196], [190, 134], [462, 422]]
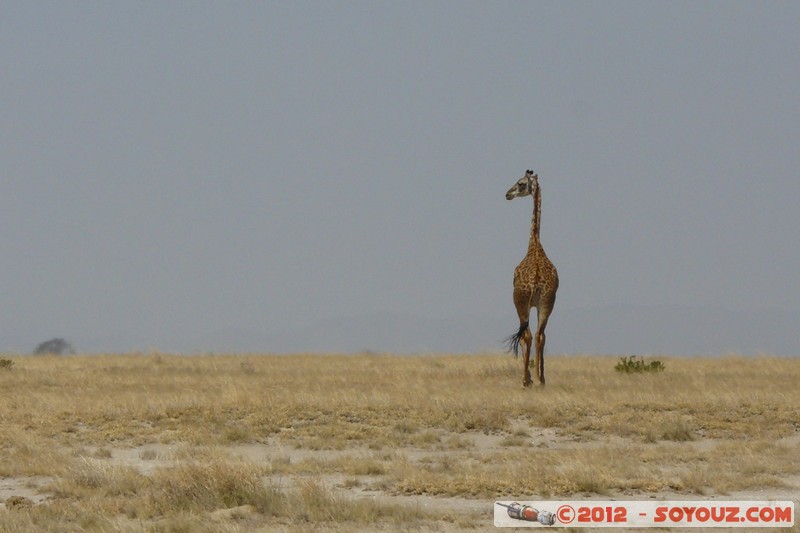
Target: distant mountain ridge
[[609, 330], [612, 330], [606, 330]]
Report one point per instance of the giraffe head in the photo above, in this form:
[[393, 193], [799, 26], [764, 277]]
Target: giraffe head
[[524, 187]]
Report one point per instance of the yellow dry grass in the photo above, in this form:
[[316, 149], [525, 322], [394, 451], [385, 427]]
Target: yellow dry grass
[[249, 442]]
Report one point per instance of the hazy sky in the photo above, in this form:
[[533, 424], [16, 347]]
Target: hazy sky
[[229, 175]]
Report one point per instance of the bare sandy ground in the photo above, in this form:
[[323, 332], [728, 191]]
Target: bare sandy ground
[[476, 513], [431, 441]]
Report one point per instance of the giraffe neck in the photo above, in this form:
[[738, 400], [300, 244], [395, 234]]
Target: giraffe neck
[[534, 243]]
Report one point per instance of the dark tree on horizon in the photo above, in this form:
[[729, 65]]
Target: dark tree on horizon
[[54, 347]]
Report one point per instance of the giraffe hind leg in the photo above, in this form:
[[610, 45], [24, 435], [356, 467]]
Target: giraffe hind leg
[[512, 342], [543, 316], [522, 302], [526, 379], [539, 361], [522, 336]]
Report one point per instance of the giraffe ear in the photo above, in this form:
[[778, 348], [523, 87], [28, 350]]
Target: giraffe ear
[[529, 172]]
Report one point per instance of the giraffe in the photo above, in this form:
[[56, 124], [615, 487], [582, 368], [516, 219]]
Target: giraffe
[[535, 283]]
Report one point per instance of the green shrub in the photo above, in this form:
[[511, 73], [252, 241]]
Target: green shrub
[[631, 364]]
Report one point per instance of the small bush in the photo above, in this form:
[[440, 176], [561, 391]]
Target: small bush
[[195, 487], [631, 365], [6, 364]]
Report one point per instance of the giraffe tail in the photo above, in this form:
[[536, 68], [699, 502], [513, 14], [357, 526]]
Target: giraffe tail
[[512, 342]]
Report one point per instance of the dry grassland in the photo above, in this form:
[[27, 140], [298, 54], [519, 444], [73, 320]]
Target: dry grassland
[[346, 443]]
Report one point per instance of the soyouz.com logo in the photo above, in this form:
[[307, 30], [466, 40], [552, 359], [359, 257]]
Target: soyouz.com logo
[[693, 513]]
